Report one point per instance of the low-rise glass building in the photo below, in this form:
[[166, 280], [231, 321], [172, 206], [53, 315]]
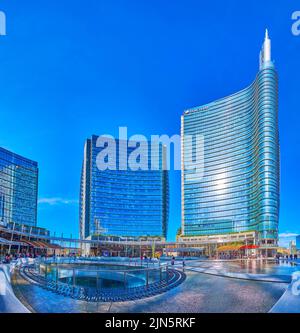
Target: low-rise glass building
[[18, 189], [121, 201]]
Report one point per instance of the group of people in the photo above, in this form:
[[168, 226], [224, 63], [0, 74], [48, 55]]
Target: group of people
[[9, 257], [173, 261], [149, 260], [287, 257]]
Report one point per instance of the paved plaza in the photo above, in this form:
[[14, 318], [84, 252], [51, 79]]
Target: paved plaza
[[199, 293]]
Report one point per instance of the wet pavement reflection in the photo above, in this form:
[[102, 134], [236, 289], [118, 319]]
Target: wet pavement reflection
[[199, 293]]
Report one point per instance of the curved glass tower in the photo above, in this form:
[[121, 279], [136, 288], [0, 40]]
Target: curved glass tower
[[122, 201], [239, 190]]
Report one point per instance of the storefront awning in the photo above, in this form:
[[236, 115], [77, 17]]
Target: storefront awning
[[185, 249], [225, 248], [249, 247]]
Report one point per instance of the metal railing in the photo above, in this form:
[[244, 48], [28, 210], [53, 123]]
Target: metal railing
[[136, 262], [113, 276]]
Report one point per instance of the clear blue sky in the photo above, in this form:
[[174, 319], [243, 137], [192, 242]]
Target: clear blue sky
[[69, 69]]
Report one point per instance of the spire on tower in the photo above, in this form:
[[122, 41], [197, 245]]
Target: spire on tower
[[267, 34], [265, 53]]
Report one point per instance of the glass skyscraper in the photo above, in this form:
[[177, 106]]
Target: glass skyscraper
[[239, 189], [18, 189], [121, 201]]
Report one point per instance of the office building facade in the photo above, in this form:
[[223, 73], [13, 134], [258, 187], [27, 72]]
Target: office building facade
[[18, 189], [123, 202], [239, 190]]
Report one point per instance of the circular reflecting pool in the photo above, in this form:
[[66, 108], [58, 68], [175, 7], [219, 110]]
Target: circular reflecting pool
[[102, 275], [102, 281]]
